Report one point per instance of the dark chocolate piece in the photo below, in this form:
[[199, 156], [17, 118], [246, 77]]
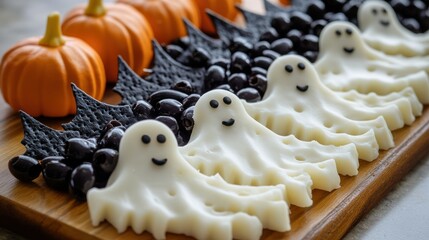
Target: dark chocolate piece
[[131, 87], [42, 141], [93, 115]]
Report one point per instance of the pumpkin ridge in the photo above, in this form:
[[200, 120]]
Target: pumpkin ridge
[[27, 42], [124, 49], [13, 53], [163, 36], [180, 29], [128, 20], [29, 88], [165, 16], [81, 23], [100, 77], [69, 69], [149, 36], [136, 24], [65, 95], [105, 53], [123, 28], [189, 9], [194, 18], [21, 80], [96, 92]]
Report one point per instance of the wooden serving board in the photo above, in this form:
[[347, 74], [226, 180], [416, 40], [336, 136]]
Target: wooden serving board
[[46, 213], [39, 212]]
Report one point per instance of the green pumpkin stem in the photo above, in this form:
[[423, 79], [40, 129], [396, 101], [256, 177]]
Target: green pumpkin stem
[[53, 36], [95, 8]]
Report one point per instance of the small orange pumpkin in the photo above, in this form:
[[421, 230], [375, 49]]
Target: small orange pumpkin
[[112, 30], [36, 74], [225, 8], [165, 16], [285, 2], [237, 2]]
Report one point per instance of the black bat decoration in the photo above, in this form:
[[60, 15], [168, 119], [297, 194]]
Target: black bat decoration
[[42, 141]]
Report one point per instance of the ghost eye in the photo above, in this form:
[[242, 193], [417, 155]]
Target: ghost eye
[[349, 31], [384, 11], [374, 11], [145, 139], [214, 104], [338, 33], [161, 138], [301, 66], [227, 100], [289, 68]]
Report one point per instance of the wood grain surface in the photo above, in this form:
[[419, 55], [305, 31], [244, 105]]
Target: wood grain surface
[[39, 212]]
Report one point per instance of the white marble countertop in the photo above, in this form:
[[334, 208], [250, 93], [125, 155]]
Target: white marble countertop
[[402, 214]]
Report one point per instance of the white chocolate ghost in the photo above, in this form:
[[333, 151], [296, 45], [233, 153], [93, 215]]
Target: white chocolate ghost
[[225, 140], [154, 189], [296, 102], [345, 62], [406, 101], [382, 31]]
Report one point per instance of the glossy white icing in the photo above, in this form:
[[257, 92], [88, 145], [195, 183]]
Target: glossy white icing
[[154, 189], [346, 62], [227, 141], [382, 30], [296, 102]]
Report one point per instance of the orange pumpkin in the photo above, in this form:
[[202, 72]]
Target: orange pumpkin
[[237, 2], [36, 74], [112, 30], [165, 16], [225, 8], [285, 2]]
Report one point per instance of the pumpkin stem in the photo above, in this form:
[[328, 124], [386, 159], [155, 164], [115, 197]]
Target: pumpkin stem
[[95, 8], [53, 36]]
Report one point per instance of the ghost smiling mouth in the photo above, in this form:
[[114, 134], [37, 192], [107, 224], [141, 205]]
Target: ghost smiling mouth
[[302, 88], [228, 122], [159, 162], [348, 50], [384, 23]]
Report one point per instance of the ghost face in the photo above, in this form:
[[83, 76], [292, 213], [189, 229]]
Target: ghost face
[[300, 67], [379, 14], [291, 73], [148, 144], [376, 13], [383, 13], [340, 38], [218, 108]]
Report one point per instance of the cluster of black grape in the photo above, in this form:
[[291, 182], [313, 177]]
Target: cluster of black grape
[[86, 163], [413, 14], [173, 107]]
